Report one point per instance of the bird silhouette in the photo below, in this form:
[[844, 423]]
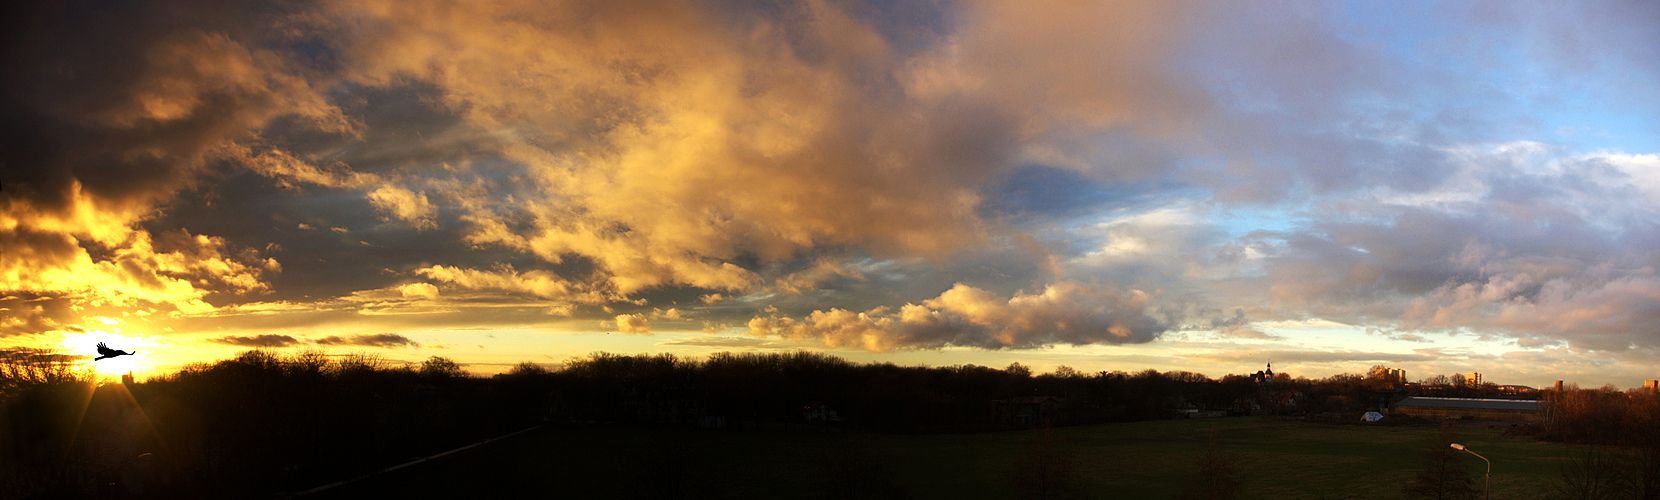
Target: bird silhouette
[[105, 352]]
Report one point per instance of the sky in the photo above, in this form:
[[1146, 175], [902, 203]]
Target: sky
[[1204, 186]]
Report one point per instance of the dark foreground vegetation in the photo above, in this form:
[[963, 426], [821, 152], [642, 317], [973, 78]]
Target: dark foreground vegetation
[[1260, 457], [1620, 434], [245, 427], [265, 424]]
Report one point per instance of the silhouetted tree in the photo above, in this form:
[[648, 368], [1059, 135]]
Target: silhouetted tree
[[266, 421], [42, 393], [1446, 474], [1642, 435], [439, 367], [1595, 474], [1585, 416]]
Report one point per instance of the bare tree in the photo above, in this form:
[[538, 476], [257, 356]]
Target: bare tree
[[1064, 371], [1446, 475], [1645, 472], [1596, 474], [441, 367], [1642, 432]]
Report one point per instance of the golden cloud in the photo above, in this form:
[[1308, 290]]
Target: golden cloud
[[809, 279], [1065, 312], [115, 133], [666, 143], [405, 205], [45, 252], [636, 324]]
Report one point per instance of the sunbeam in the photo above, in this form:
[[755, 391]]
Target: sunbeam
[[86, 344]]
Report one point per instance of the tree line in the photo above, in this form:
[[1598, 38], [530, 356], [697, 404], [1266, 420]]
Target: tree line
[[1621, 434], [267, 421], [249, 426]]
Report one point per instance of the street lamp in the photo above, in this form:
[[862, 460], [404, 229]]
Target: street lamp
[[1487, 485]]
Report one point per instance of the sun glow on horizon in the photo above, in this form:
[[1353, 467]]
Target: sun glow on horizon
[[86, 344]]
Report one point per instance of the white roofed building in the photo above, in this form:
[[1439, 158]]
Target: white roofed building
[[1497, 409]]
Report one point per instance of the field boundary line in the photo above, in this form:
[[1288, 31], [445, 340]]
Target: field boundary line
[[410, 463]]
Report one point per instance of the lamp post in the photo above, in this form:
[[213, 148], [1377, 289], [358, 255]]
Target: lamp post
[[1487, 484]]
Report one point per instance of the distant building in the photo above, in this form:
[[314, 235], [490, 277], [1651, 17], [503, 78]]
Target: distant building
[[1029, 411], [1496, 409], [1266, 394], [1265, 377], [1287, 398], [1397, 376], [1651, 385], [817, 411], [1180, 407], [1472, 379]]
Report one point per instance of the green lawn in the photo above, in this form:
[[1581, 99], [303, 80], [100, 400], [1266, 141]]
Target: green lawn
[[1280, 459]]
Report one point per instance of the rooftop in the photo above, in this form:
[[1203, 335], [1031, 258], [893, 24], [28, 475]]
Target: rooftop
[[1471, 403]]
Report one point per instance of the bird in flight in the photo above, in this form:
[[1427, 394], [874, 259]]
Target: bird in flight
[[105, 352]]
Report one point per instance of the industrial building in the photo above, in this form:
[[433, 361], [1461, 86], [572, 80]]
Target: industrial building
[[1496, 409]]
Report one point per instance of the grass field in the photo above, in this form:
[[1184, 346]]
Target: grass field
[[1279, 458]]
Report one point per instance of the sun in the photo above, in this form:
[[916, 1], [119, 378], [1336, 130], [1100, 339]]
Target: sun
[[87, 344]]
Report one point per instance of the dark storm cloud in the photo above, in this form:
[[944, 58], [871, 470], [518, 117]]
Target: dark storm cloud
[[127, 98], [321, 156], [24, 314], [381, 340], [111, 110], [725, 342], [265, 340], [1043, 193], [16, 356]]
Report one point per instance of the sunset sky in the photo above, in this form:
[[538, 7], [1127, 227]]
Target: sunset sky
[[1209, 186]]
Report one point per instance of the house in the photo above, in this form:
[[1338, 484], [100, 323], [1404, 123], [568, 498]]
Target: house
[[1287, 398], [818, 412], [1496, 409], [1029, 411], [1179, 407]]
